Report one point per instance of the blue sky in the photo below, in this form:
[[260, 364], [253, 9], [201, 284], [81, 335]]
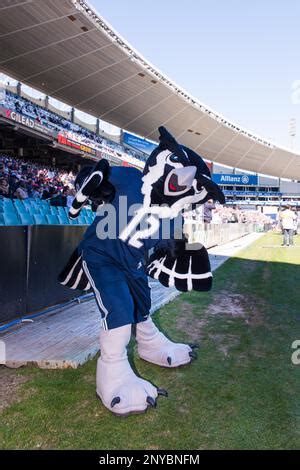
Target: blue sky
[[240, 58]]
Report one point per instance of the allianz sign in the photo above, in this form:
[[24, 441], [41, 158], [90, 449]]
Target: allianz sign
[[235, 180]]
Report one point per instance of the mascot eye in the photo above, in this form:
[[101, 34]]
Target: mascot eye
[[174, 158]]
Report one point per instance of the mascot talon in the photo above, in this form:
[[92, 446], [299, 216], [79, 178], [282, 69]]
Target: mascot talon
[[110, 260], [115, 401], [162, 392], [154, 347], [193, 355], [151, 402]]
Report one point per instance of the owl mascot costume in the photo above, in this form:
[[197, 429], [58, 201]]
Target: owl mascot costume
[[114, 260]]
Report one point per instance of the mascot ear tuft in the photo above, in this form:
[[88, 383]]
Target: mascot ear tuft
[[167, 141], [165, 136]]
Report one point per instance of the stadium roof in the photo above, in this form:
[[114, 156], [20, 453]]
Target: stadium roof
[[66, 50]]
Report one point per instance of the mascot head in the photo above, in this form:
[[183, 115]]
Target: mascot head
[[175, 176]]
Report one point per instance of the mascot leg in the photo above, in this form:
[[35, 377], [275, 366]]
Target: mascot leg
[[154, 347], [119, 389], [122, 300]]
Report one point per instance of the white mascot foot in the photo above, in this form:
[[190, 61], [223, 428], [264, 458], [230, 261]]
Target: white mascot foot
[[154, 347], [119, 389]]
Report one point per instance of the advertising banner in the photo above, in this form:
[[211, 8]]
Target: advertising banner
[[26, 121], [65, 140], [138, 143], [235, 180], [252, 193]]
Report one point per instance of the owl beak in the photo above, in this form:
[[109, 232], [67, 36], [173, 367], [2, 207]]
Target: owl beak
[[186, 175]]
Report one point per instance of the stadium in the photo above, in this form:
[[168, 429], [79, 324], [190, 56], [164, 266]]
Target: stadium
[[74, 92]]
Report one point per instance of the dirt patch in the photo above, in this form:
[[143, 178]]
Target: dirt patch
[[247, 307], [10, 383], [226, 303], [190, 323], [225, 342], [238, 306]]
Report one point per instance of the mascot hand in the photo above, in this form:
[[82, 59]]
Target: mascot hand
[[73, 275], [175, 266], [91, 183], [213, 190]]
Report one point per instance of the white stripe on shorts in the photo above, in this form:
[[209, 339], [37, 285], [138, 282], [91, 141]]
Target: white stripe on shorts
[[101, 306]]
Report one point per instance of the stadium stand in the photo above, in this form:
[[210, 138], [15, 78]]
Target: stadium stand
[[129, 96], [68, 129], [38, 212], [34, 194]]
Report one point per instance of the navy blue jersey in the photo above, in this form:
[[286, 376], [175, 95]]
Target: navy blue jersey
[[110, 235]]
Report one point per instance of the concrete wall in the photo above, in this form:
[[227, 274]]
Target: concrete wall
[[267, 181], [60, 112], [289, 187], [216, 234], [87, 125]]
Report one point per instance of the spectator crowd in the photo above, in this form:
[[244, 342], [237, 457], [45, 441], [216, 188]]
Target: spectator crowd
[[69, 129], [211, 213], [21, 179], [232, 214]]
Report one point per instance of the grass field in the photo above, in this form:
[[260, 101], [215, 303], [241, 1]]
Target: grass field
[[241, 393]]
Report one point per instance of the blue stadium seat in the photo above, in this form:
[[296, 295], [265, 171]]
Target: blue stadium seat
[[11, 218], [37, 211], [53, 210], [20, 207], [89, 214], [82, 220], [26, 219], [62, 211], [40, 219], [63, 219], [34, 209], [7, 204], [44, 207], [28, 202], [52, 219], [11, 210]]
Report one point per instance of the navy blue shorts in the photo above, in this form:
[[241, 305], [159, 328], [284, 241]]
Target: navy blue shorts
[[123, 297]]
